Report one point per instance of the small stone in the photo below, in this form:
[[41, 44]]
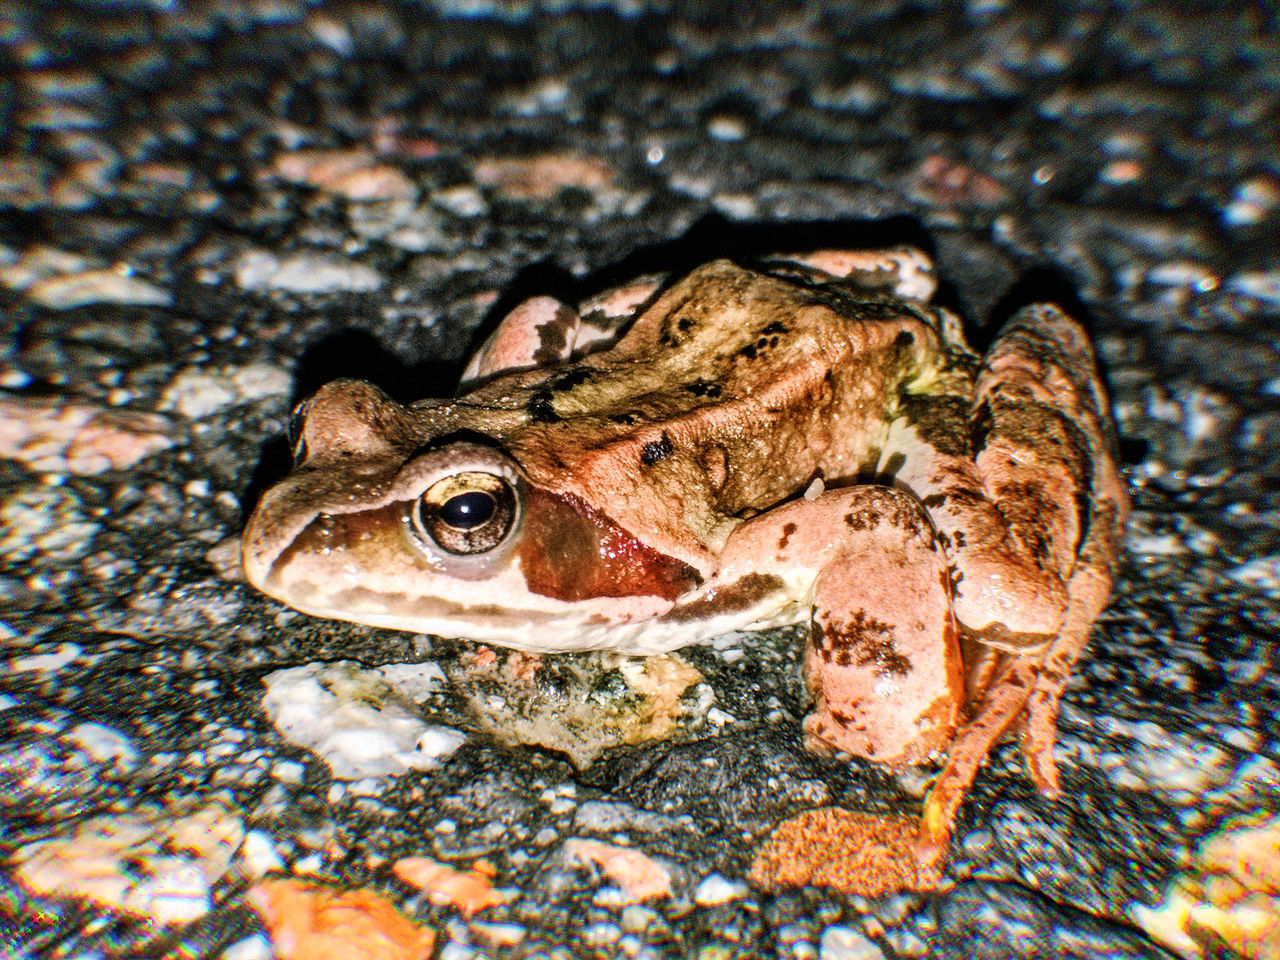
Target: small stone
[[462, 200], [845, 943], [355, 720], [469, 891], [543, 176], [1253, 202], [44, 521], [499, 934], [1121, 172], [262, 271], [59, 436], [608, 699], [257, 947], [46, 662], [950, 183], [104, 744], [1232, 895], [727, 129], [639, 876], [149, 865], [226, 560], [717, 889], [259, 855], [197, 393], [312, 922], [604, 816], [1260, 285], [354, 174], [97, 286]]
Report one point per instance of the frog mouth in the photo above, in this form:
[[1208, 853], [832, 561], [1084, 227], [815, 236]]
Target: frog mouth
[[293, 505]]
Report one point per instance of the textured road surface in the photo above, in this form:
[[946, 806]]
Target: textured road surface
[[173, 251]]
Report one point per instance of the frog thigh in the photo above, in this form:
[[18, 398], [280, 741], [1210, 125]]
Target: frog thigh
[[1026, 686], [906, 271], [1042, 361], [1047, 456], [543, 330], [1009, 477]]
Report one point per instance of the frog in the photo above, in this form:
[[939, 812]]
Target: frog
[[806, 438]]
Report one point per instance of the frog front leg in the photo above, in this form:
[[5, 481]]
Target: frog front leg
[[883, 661]]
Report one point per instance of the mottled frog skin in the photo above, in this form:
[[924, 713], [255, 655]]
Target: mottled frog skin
[[803, 440]]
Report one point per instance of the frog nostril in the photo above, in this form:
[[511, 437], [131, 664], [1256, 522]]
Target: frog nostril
[[297, 442]]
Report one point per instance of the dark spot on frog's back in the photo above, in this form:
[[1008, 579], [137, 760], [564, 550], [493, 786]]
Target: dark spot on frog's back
[[553, 336], [575, 377], [656, 450], [787, 530], [742, 594], [863, 519], [942, 421], [541, 409], [865, 640], [704, 388]]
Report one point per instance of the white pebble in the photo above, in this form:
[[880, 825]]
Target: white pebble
[[55, 659], [846, 943], [350, 717], [256, 947], [717, 889], [288, 771], [304, 273], [104, 744], [259, 854]]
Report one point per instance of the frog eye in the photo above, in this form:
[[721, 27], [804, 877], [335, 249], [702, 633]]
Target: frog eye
[[466, 513], [297, 442]]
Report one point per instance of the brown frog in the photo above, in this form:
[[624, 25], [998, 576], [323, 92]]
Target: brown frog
[[805, 440]]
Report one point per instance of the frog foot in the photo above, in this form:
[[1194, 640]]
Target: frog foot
[[854, 853]]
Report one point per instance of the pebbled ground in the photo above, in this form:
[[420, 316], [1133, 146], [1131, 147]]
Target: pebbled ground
[[209, 209]]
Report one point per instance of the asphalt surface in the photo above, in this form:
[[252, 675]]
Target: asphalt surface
[[172, 250]]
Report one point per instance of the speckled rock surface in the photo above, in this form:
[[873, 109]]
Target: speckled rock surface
[[208, 210]]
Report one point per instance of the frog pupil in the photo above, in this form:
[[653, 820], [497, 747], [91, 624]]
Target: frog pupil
[[467, 511]]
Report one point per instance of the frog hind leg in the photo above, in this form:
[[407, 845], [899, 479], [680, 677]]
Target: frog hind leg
[[1089, 589], [542, 330], [905, 271], [1043, 411], [1021, 689], [539, 331]]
